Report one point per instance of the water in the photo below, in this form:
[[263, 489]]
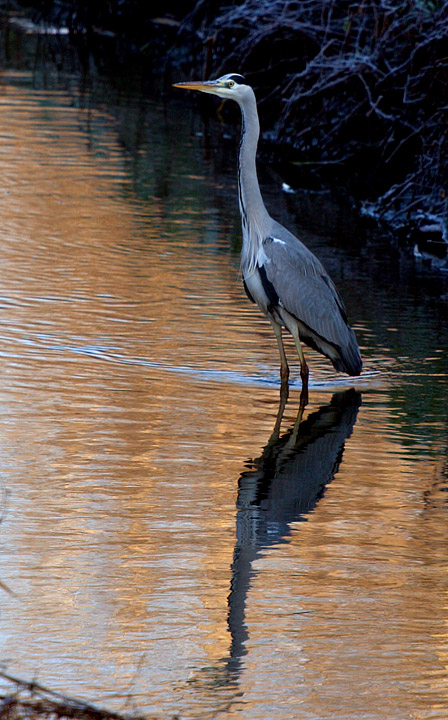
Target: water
[[169, 546]]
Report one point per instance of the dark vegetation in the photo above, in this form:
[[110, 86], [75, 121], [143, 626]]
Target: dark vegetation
[[360, 85], [355, 91]]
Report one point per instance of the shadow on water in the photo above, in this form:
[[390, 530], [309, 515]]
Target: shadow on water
[[280, 487]]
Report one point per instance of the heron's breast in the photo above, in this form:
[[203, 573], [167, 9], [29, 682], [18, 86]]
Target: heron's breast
[[255, 287]]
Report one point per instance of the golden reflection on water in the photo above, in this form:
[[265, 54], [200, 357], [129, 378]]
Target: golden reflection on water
[[131, 403]]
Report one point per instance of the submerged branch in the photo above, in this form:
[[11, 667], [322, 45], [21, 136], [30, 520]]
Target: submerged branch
[[32, 701]]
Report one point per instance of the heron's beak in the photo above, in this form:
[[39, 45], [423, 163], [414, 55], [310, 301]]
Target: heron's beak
[[207, 86]]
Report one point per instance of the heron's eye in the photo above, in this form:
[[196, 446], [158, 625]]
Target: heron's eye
[[230, 84]]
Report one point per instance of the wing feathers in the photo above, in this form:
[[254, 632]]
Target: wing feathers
[[306, 291]]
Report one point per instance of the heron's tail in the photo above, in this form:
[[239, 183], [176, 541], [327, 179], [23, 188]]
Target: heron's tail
[[349, 360]]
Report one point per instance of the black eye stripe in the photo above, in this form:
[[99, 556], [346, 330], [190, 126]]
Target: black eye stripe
[[236, 78]]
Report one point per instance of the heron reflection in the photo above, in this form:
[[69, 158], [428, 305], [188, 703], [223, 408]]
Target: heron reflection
[[280, 487], [277, 489]]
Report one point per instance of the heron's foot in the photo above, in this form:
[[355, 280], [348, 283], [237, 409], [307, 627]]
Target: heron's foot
[[304, 374], [284, 377], [284, 392], [284, 374], [303, 398]]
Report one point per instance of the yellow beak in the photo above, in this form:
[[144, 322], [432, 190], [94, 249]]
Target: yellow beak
[[203, 86]]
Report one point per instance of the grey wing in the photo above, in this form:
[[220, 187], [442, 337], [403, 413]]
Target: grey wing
[[307, 292], [303, 286]]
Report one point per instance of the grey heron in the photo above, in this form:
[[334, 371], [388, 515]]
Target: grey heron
[[280, 274]]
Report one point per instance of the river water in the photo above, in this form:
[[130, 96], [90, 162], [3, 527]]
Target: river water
[[167, 546]]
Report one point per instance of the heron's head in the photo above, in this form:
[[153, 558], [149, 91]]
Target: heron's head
[[228, 87]]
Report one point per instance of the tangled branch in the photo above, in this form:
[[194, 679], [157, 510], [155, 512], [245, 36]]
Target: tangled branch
[[365, 82]]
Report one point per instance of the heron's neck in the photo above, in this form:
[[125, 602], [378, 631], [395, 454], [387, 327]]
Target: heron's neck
[[254, 216]]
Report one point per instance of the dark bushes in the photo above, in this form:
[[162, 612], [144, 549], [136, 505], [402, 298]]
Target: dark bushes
[[360, 84], [358, 87]]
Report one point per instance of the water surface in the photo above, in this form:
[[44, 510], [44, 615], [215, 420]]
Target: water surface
[[170, 547]]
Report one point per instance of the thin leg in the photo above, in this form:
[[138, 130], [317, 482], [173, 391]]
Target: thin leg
[[304, 371], [284, 369], [284, 392], [296, 429], [303, 398]]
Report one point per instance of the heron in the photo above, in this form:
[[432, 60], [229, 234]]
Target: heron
[[280, 274]]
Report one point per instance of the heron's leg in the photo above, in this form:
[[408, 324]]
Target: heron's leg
[[304, 371], [284, 392], [296, 429], [284, 369], [303, 398]]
